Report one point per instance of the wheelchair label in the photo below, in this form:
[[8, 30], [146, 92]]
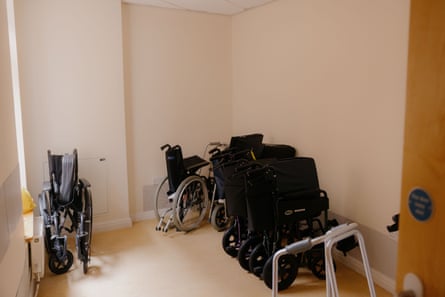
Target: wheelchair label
[[420, 204], [290, 212]]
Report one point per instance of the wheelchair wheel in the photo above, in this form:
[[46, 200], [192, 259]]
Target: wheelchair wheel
[[190, 203], [257, 259], [59, 266], [45, 212], [161, 199], [316, 262], [287, 271], [86, 231], [44, 207], [230, 241], [219, 219], [245, 251]]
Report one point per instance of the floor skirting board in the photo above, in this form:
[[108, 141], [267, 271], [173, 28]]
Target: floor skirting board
[[142, 216], [379, 278]]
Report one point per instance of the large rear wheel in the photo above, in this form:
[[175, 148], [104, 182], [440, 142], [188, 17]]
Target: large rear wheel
[[219, 219], [161, 200], [85, 231], [45, 212], [190, 203]]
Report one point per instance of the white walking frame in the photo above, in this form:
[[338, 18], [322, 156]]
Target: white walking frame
[[330, 238]]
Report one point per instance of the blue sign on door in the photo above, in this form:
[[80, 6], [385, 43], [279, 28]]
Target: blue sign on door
[[420, 204]]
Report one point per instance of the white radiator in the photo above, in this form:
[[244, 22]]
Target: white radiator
[[38, 249]]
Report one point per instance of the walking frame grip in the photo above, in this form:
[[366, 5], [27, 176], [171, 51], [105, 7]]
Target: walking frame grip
[[330, 238]]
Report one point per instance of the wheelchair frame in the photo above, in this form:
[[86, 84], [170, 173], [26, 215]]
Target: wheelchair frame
[[277, 203], [179, 169], [59, 206], [188, 191]]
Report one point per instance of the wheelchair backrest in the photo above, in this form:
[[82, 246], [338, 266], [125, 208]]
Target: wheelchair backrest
[[63, 176], [296, 175], [252, 142], [175, 167]]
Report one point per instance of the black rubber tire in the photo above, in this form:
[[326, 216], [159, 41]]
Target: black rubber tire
[[59, 266], [85, 241], [85, 266], [316, 262], [230, 241], [245, 251], [258, 258], [45, 212], [219, 219], [160, 198], [190, 203], [287, 271]]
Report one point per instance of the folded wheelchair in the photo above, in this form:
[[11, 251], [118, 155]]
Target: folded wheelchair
[[281, 203], [242, 149], [248, 153], [66, 207]]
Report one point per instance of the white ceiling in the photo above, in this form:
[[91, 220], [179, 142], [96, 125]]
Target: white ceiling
[[227, 7]]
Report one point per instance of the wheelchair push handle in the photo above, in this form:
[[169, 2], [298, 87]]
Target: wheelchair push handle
[[166, 146]]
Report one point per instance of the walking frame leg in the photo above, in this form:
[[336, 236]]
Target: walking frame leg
[[330, 239]]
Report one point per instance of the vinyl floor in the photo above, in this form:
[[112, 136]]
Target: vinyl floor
[[140, 261]]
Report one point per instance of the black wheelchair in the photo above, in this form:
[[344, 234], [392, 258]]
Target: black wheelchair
[[66, 207], [182, 197], [277, 202]]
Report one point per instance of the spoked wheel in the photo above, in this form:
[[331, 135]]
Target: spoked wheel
[[161, 199], [219, 219], [45, 212], [190, 203], [245, 251], [231, 240], [62, 265], [287, 271], [44, 207], [257, 259], [316, 262], [85, 231]]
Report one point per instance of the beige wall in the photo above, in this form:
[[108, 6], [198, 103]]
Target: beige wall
[[329, 78], [8, 149], [12, 246], [71, 71], [178, 89]]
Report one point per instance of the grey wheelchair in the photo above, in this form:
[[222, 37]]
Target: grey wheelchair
[[66, 206]]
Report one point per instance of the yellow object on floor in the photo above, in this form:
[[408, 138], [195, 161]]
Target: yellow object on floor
[[28, 204]]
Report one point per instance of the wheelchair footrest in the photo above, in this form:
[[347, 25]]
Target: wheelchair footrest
[[165, 225]]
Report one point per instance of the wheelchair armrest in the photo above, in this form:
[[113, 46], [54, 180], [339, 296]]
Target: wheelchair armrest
[[46, 186], [85, 183]]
